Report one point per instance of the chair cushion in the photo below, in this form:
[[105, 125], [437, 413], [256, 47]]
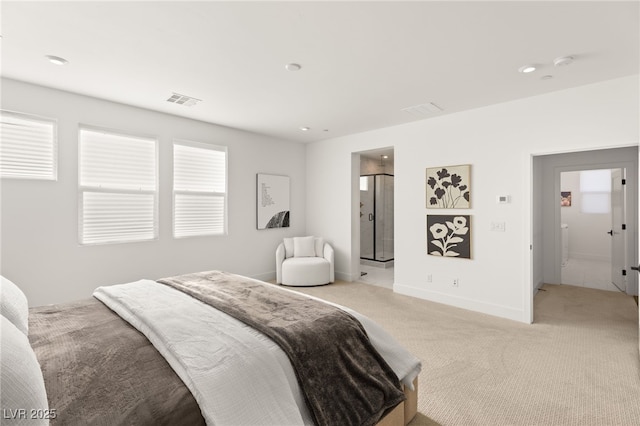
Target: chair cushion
[[303, 247], [288, 247], [319, 242], [306, 271], [14, 305]]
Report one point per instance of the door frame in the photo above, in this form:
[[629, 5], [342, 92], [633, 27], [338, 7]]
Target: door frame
[[630, 250], [558, 215], [533, 258]]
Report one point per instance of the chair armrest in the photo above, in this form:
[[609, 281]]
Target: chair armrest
[[329, 255], [279, 259]]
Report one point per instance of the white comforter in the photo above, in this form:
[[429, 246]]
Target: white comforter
[[236, 374]]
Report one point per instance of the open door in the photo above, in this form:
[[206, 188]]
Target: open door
[[618, 227]]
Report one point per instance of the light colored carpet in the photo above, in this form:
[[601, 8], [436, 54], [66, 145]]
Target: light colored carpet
[[578, 364]]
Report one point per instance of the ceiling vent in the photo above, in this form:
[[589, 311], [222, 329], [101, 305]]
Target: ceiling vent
[[185, 100], [423, 110]]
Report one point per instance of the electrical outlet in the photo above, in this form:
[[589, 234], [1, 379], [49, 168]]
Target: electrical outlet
[[429, 278], [455, 282]]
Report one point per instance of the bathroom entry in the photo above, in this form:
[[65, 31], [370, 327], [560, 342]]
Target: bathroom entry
[[376, 217], [592, 206]]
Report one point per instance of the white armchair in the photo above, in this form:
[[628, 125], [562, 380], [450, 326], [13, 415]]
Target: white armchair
[[304, 261]]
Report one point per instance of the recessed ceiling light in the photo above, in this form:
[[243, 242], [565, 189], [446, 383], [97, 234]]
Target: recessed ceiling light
[[563, 61], [546, 77], [305, 129], [385, 156], [293, 67], [56, 60], [527, 69]]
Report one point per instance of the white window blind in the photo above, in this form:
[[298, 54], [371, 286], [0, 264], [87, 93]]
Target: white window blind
[[595, 188], [27, 147], [199, 189], [118, 187]]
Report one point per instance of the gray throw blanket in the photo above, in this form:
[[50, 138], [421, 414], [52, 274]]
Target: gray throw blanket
[[99, 370], [344, 379]]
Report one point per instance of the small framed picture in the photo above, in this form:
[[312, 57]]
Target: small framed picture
[[272, 201], [449, 187], [565, 198], [449, 235]]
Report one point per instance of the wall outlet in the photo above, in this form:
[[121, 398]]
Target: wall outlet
[[455, 282], [429, 278]]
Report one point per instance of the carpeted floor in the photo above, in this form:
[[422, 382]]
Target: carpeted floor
[[578, 364]]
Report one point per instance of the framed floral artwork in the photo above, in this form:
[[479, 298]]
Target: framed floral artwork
[[449, 235], [449, 187]]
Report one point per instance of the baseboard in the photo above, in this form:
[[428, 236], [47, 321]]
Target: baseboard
[[461, 302], [266, 276], [343, 276], [537, 287]]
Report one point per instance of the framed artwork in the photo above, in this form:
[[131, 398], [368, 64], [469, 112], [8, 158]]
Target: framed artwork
[[449, 235], [565, 198], [272, 201], [449, 187]]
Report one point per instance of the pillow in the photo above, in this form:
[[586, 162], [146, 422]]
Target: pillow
[[21, 379], [14, 305], [288, 247], [319, 247], [304, 247]]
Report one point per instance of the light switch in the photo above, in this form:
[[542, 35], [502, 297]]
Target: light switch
[[498, 226]]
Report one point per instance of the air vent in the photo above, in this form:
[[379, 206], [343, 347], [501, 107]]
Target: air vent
[[185, 100], [423, 109]]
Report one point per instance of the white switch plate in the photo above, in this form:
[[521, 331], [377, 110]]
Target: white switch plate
[[498, 226]]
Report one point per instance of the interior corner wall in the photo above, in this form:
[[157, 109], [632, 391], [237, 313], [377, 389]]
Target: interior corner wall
[[537, 234], [39, 219], [499, 142]]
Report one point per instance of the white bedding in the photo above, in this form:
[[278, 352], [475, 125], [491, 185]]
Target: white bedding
[[236, 374]]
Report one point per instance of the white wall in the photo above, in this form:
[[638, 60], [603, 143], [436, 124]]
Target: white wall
[[40, 250], [499, 142]]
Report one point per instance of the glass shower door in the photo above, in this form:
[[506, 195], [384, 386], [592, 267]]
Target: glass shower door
[[367, 188], [383, 218]]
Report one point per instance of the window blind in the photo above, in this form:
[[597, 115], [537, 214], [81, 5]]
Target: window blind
[[27, 147], [199, 189], [118, 187], [595, 189]]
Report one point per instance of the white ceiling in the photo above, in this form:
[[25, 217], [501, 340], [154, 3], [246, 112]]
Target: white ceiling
[[362, 62]]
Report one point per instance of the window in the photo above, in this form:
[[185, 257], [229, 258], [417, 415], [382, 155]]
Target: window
[[118, 187], [27, 147], [199, 189], [364, 183], [595, 188]]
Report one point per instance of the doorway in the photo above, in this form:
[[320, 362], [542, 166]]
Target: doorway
[[376, 217], [592, 210], [546, 232]]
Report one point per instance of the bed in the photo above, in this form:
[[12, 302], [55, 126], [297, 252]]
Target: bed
[[179, 351]]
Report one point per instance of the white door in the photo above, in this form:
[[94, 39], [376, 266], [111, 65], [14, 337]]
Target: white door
[[618, 240]]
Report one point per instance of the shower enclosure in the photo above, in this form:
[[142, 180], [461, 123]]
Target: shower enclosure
[[376, 218]]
